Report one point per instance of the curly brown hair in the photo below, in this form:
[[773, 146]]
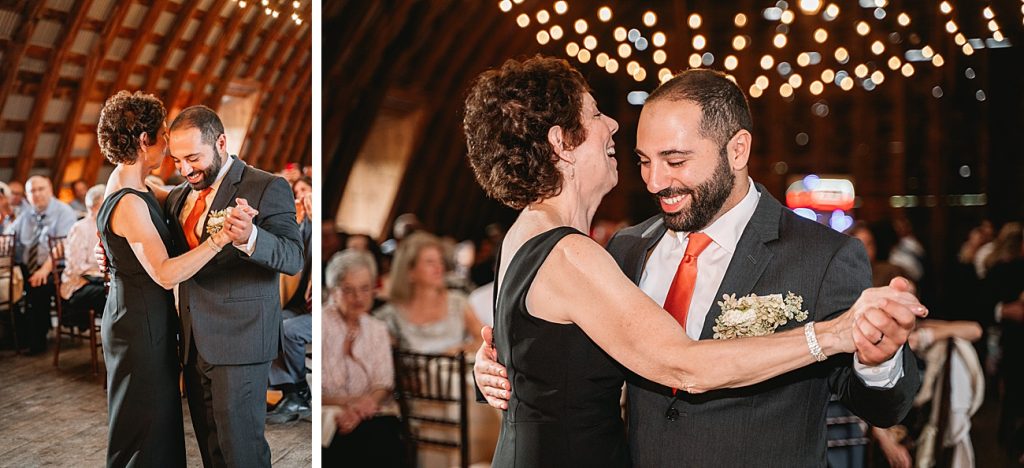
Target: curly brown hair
[[508, 114], [124, 117]]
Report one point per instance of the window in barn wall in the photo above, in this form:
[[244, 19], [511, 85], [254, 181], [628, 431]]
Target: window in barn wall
[[380, 166], [237, 108]]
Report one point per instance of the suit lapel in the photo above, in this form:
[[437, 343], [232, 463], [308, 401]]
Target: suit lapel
[[226, 192], [641, 251], [751, 257]]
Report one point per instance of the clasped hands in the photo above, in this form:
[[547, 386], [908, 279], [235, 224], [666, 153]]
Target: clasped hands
[[238, 225], [237, 229], [875, 327]]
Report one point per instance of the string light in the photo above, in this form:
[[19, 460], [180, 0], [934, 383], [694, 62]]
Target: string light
[[650, 19], [699, 42], [580, 26], [779, 41], [863, 74], [658, 39], [694, 21]]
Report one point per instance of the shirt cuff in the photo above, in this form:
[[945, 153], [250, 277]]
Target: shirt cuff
[[884, 375], [998, 312], [250, 246]]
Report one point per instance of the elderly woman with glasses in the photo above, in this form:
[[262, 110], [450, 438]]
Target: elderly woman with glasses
[[358, 372]]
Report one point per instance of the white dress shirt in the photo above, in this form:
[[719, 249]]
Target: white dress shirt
[[193, 196], [712, 264]]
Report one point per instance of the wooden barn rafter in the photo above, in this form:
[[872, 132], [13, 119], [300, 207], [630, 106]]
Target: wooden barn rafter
[[60, 59]]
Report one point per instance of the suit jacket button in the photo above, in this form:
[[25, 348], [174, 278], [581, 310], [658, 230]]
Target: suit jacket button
[[672, 414]]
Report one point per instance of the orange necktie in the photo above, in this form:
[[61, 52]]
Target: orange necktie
[[193, 218], [677, 302]]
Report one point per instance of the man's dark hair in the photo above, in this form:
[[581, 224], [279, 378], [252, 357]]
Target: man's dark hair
[[203, 118], [724, 109]]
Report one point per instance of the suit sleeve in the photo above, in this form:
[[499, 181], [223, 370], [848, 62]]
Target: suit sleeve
[[279, 244], [847, 275]]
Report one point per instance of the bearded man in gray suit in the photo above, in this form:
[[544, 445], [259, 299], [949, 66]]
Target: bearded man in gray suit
[[230, 310], [693, 143]]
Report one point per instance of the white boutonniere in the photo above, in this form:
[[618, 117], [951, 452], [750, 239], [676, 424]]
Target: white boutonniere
[[755, 315], [215, 220]]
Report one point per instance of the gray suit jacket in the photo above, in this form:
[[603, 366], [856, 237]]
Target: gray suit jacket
[[232, 307], [780, 422]]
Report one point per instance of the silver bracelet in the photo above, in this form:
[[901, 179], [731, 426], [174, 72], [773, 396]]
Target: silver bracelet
[[812, 342], [213, 245]]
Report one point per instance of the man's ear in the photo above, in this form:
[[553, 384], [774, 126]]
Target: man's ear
[[739, 149], [222, 143]]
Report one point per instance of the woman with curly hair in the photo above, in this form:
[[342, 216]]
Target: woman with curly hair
[[567, 320], [140, 322]]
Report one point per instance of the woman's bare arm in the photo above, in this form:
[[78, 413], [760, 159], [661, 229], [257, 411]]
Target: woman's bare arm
[[131, 220], [580, 283]]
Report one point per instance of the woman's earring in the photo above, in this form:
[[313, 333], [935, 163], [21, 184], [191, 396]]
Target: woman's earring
[[572, 172]]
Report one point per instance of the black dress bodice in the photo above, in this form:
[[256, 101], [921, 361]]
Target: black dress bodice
[[564, 409]]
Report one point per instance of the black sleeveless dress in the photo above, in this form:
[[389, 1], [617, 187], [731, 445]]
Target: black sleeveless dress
[[564, 410], [140, 350]]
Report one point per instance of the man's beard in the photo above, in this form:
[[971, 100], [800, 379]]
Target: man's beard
[[705, 201], [209, 174]]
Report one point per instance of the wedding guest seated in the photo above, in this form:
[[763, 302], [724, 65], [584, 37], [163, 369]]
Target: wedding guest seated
[[6, 210], [79, 189], [47, 217], [81, 282], [422, 313], [358, 371], [18, 201], [288, 371]]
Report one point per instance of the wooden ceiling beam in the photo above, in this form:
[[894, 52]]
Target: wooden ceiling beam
[[341, 152], [256, 135], [214, 57], [446, 109], [174, 91], [30, 139], [274, 154], [250, 35], [281, 92], [300, 140], [170, 44], [13, 55], [129, 63], [96, 53]]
